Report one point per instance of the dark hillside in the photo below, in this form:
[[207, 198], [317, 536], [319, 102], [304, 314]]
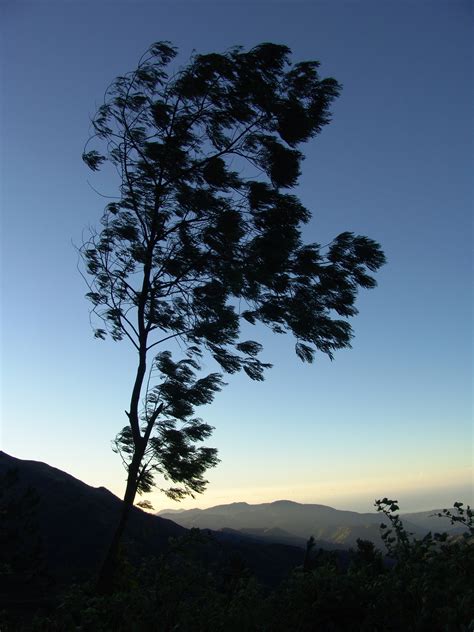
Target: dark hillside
[[54, 529], [74, 521], [72, 524]]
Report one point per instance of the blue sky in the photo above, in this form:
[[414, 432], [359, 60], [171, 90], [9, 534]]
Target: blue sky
[[392, 416]]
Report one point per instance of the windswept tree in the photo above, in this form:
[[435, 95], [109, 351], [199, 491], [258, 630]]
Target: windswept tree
[[204, 234]]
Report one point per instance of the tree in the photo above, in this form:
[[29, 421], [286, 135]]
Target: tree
[[204, 234]]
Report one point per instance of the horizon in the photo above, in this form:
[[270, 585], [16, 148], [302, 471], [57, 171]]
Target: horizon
[[362, 506], [390, 417], [285, 500]]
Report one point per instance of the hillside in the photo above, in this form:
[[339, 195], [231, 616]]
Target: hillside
[[54, 530], [74, 522], [68, 526], [291, 522]]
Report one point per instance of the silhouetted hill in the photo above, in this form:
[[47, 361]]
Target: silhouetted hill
[[73, 525], [75, 521], [69, 525], [291, 522]]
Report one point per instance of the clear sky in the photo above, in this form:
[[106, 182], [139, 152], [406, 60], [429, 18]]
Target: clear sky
[[392, 416]]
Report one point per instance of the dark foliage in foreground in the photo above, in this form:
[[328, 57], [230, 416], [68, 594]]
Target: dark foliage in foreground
[[424, 585]]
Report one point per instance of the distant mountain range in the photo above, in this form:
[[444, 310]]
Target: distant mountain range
[[293, 523], [70, 524]]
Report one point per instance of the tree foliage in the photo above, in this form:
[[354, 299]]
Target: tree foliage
[[205, 234]]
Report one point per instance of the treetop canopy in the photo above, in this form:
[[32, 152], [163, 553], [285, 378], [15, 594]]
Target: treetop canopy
[[205, 231]]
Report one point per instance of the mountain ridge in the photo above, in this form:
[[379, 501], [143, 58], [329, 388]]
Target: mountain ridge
[[298, 521], [76, 521], [68, 526], [73, 520]]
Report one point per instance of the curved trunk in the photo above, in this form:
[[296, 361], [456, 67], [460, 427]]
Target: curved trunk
[[107, 572]]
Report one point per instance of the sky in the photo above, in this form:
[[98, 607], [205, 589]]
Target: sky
[[390, 417]]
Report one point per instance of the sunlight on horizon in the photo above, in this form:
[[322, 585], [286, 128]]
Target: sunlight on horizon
[[427, 490]]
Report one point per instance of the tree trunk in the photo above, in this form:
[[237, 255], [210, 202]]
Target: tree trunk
[[107, 573]]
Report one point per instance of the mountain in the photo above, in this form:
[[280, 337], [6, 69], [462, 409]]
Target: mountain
[[430, 521], [49, 514], [73, 521], [292, 522], [67, 526]]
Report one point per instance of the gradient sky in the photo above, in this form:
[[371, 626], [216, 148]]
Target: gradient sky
[[392, 416]]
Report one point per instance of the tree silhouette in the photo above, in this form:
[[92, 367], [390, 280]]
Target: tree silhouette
[[204, 234]]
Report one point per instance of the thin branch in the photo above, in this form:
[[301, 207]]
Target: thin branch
[[179, 333], [109, 197]]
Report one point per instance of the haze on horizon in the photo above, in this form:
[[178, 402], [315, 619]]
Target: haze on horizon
[[390, 417]]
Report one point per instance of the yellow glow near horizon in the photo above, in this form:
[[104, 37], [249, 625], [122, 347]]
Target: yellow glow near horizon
[[343, 494]]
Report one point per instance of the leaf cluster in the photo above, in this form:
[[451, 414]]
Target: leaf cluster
[[203, 223], [171, 451]]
